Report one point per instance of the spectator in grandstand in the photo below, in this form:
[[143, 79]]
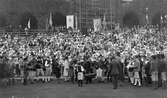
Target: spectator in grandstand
[[127, 42]]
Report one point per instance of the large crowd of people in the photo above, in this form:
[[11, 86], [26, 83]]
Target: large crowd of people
[[139, 53]]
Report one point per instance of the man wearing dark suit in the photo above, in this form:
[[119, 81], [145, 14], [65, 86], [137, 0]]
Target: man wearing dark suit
[[89, 70], [115, 71]]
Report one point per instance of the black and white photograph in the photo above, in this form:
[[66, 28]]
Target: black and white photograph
[[83, 48]]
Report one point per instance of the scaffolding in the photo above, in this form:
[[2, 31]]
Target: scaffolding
[[87, 10]]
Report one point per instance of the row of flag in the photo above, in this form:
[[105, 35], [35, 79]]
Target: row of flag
[[50, 22], [72, 20]]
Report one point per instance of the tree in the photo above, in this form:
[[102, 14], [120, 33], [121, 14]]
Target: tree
[[59, 19], [130, 19], [156, 20]]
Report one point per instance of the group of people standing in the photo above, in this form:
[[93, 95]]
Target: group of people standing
[[114, 54], [148, 71]]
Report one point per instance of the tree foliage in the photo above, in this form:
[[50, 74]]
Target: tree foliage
[[130, 19], [59, 19], [3, 21]]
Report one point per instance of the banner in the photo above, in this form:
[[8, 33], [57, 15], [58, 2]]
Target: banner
[[70, 21], [97, 25]]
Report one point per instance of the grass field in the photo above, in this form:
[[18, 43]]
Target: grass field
[[68, 90]]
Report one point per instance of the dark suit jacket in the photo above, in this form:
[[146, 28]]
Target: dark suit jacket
[[162, 66], [115, 67]]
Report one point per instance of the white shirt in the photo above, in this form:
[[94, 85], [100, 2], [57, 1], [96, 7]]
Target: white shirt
[[99, 72], [66, 67], [80, 76], [66, 64], [46, 64]]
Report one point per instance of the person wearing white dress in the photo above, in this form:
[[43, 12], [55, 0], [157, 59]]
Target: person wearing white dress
[[99, 74], [130, 68], [136, 72], [66, 69]]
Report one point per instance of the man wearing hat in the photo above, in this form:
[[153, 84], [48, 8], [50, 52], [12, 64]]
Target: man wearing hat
[[80, 74], [154, 71], [115, 71]]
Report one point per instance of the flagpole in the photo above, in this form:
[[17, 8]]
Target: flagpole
[[147, 18], [76, 22], [50, 21], [104, 22], [111, 18], [47, 25], [29, 24]]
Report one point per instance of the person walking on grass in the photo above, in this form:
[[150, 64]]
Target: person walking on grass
[[80, 75], [136, 72], [154, 71], [130, 68], [163, 70], [66, 69], [115, 71]]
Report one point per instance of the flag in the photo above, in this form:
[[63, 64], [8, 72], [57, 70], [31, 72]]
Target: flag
[[162, 19], [70, 21], [104, 22], [97, 25], [29, 24], [147, 17], [50, 20]]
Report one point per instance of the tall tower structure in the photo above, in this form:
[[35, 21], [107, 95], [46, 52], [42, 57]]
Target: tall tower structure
[[83, 11], [87, 10]]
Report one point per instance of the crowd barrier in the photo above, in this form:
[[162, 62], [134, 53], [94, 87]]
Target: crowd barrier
[[29, 33], [7, 82]]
